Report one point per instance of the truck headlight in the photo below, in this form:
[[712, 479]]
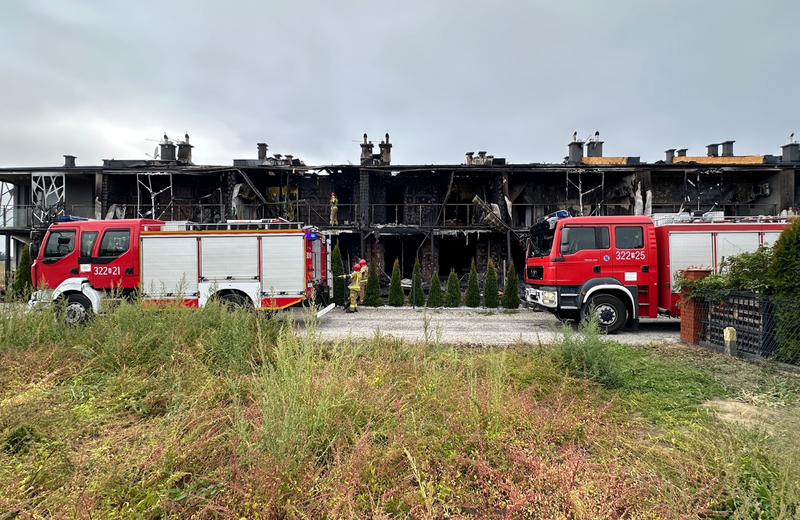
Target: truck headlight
[[549, 298]]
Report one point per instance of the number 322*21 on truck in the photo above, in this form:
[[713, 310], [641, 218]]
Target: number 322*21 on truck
[[621, 268], [256, 264]]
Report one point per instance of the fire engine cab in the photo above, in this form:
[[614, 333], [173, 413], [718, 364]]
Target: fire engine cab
[[622, 268], [258, 264]]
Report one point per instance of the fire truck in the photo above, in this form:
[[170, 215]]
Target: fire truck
[[256, 264], [621, 268]]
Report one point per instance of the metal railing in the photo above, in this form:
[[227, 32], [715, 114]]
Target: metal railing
[[766, 326]]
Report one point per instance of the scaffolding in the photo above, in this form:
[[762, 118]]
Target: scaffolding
[[574, 178]]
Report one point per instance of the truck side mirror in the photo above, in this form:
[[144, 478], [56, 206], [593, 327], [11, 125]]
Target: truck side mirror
[[564, 240]]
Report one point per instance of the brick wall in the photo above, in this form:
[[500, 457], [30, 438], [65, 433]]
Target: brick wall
[[691, 324]]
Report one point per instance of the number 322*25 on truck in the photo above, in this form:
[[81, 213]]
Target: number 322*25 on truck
[[621, 268]]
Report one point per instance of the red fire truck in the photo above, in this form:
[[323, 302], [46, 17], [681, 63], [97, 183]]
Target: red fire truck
[[260, 264], [623, 267]]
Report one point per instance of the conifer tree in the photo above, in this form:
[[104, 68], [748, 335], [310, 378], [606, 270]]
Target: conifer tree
[[786, 280], [22, 280], [372, 294], [510, 295], [417, 296], [473, 296], [396, 296], [452, 297], [337, 270], [490, 298], [435, 298]]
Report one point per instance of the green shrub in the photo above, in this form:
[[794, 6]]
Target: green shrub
[[396, 296], [742, 272], [22, 280], [452, 297], [372, 294], [587, 354], [417, 296], [510, 295], [337, 270], [784, 271], [472, 298], [435, 297], [490, 296]]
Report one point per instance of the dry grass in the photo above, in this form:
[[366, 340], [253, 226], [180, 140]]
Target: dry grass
[[205, 414]]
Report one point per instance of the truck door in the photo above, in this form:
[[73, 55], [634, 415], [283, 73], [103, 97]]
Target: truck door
[[585, 256], [114, 264], [59, 258], [633, 260]]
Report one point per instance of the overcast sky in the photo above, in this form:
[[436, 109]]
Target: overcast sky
[[96, 78]]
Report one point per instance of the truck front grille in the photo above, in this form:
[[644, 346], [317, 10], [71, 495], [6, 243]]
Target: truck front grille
[[535, 272]]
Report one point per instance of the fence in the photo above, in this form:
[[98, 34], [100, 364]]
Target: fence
[[766, 326]]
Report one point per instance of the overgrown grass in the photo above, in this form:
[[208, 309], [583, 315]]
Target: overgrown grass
[[176, 412]]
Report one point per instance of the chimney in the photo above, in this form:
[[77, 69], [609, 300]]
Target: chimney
[[469, 157], [489, 160], [481, 157], [791, 152], [366, 152], [167, 151], [289, 159], [386, 151], [681, 152], [262, 151], [575, 152], [670, 155], [594, 149], [185, 152], [727, 148], [69, 161], [713, 150]]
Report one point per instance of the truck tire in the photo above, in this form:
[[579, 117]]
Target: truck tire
[[234, 301], [610, 312], [78, 309]]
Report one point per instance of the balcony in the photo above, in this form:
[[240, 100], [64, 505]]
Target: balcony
[[22, 217]]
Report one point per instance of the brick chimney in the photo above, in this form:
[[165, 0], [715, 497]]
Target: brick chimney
[[262, 151], [366, 152], [386, 151], [712, 150], [69, 161], [670, 155]]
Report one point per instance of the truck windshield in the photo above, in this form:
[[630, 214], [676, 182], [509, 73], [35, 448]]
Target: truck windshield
[[541, 243], [60, 243]]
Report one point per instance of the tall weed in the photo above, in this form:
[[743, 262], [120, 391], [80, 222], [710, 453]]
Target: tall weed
[[589, 354]]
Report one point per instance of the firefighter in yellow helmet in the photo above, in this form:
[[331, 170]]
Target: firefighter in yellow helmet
[[354, 286], [363, 273]]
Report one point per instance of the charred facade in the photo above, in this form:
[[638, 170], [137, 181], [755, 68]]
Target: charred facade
[[388, 212]]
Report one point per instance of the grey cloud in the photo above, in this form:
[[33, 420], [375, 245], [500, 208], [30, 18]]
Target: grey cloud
[[308, 77]]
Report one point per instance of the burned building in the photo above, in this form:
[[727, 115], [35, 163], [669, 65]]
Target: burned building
[[446, 215]]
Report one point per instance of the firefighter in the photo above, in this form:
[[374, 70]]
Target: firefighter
[[354, 286], [334, 209], [363, 273]]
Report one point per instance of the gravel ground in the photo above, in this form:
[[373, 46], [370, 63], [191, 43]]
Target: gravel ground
[[466, 326]]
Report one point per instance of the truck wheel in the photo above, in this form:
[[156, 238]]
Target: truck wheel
[[610, 312], [234, 301], [78, 309]]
